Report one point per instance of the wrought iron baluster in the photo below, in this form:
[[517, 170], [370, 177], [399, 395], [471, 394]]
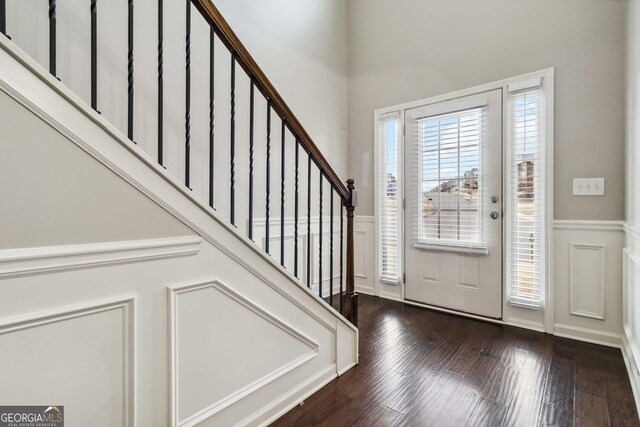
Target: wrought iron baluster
[[251, 118], [320, 237], [187, 109], [130, 72], [161, 82], [341, 251], [295, 214], [212, 148], [52, 37], [94, 54], [268, 188], [232, 149], [282, 153], [3, 17], [309, 222], [331, 247]]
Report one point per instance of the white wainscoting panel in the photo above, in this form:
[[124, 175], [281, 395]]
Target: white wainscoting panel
[[364, 254], [63, 355], [224, 347], [314, 247], [587, 280], [361, 262]]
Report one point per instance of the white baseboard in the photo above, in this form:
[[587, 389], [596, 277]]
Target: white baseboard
[[588, 335], [364, 290], [391, 296], [346, 368], [292, 399]]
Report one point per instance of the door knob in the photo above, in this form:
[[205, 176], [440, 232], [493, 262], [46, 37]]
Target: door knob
[[494, 215], [494, 199]]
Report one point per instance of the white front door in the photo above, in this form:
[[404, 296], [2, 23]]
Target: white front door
[[453, 213]]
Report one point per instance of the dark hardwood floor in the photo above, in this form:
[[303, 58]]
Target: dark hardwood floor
[[420, 367]]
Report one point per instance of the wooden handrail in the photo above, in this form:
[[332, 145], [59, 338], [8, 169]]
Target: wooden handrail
[[246, 61]]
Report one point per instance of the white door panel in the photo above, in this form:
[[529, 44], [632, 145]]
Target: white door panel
[[453, 243]]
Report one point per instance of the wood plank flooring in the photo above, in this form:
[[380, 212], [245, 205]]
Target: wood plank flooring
[[424, 368]]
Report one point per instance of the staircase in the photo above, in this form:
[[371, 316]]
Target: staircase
[[183, 260]]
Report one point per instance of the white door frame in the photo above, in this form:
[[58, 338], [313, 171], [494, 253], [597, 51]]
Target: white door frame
[[541, 319]]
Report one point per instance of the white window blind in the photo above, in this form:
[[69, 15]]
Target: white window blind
[[389, 128], [526, 198], [450, 192]]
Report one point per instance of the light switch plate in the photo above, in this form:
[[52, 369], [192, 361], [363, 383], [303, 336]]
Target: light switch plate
[[588, 187]]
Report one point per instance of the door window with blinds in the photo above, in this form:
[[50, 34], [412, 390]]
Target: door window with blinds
[[389, 137], [449, 150], [453, 175], [526, 184]]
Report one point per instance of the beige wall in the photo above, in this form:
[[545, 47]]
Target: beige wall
[[407, 50], [302, 47], [53, 193], [633, 109]]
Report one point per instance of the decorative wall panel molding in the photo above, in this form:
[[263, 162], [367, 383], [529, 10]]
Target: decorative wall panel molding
[[587, 280], [22, 262], [360, 245], [364, 254], [42, 336], [259, 349]]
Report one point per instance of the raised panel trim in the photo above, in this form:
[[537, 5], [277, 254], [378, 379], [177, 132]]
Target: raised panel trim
[[573, 286], [214, 408], [365, 268], [29, 261], [55, 315]]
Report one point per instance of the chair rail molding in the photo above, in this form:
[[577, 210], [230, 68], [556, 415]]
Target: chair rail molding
[[28, 261], [588, 225]]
